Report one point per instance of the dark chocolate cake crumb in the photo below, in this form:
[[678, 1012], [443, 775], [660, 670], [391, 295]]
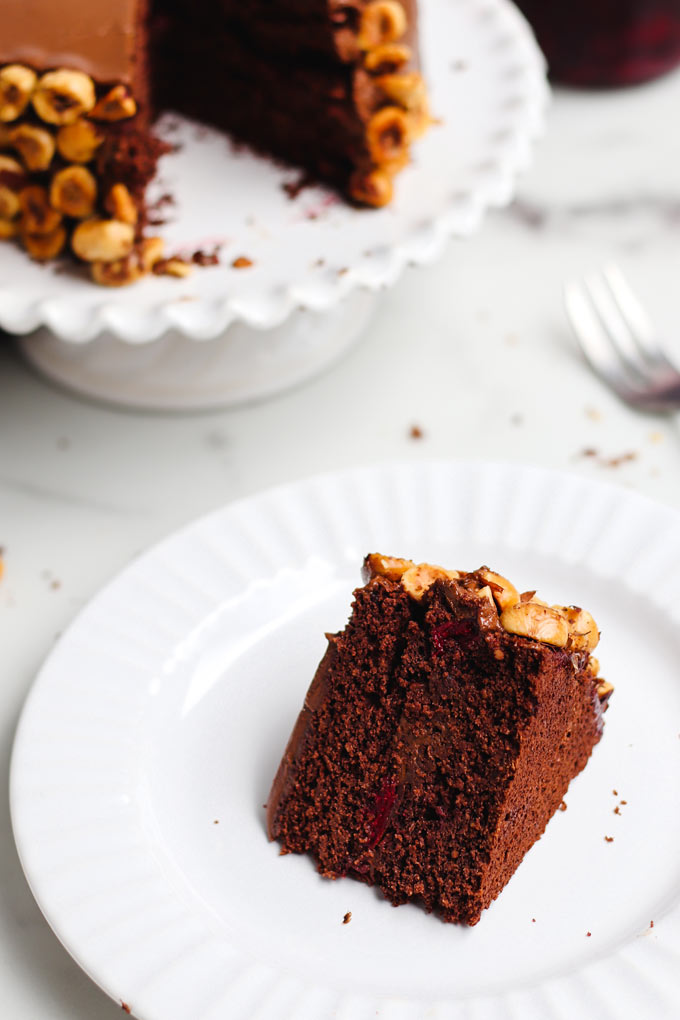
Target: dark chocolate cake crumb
[[416, 432], [615, 792], [124, 1006], [609, 839], [204, 258], [347, 918], [617, 810]]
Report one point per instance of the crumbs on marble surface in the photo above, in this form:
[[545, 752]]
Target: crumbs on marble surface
[[347, 918], [592, 453], [206, 258]]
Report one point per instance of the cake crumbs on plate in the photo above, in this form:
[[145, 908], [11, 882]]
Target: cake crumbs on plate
[[124, 1006], [242, 262], [609, 839], [347, 918], [588, 934], [416, 432], [651, 924], [617, 810]]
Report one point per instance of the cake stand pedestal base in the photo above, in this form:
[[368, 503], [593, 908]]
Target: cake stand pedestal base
[[175, 373]]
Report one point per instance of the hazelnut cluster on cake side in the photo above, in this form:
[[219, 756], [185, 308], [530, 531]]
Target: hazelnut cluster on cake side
[[439, 735], [332, 87]]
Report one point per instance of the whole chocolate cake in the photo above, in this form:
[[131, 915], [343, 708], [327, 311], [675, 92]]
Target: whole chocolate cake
[[439, 735], [331, 86]]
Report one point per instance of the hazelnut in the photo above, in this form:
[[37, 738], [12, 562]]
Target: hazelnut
[[406, 89], [117, 104], [16, 87], [387, 137], [12, 178], [417, 579], [592, 666], [604, 691], [78, 142], [120, 203], [9, 203], [486, 593], [34, 144], [38, 216], [382, 21], [505, 594], [172, 267], [582, 627], [150, 252], [73, 192], [376, 565], [98, 240], [409, 91], [118, 273], [371, 187], [8, 229], [387, 59], [42, 247], [61, 96], [529, 619]]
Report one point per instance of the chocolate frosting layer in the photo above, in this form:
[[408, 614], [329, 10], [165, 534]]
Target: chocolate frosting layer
[[95, 36]]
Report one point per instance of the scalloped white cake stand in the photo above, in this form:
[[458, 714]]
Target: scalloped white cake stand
[[317, 264]]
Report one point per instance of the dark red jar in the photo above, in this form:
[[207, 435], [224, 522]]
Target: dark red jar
[[600, 43]]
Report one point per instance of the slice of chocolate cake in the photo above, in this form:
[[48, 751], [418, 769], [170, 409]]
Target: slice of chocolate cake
[[439, 735]]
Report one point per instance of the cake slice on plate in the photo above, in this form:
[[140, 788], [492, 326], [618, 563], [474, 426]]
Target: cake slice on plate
[[439, 735]]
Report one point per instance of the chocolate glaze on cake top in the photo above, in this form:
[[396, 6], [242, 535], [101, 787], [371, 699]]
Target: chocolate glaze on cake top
[[95, 36], [439, 735]]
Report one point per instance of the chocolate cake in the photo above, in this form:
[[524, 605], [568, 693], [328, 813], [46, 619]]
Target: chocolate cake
[[439, 735], [330, 86]]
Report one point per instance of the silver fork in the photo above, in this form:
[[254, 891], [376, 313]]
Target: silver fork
[[618, 339]]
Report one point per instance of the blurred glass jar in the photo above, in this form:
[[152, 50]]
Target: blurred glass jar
[[603, 43]]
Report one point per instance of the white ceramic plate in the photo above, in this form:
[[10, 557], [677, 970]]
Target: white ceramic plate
[[487, 83], [148, 743]]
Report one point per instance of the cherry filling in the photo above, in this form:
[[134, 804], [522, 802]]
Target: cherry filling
[[382, 809], [462, 631]]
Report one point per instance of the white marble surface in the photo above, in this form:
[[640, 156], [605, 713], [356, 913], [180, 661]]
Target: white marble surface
[[475, 351]]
